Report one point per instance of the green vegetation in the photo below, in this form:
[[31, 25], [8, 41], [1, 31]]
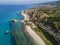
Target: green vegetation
[[57, 25], [47, 38], [40, 33]]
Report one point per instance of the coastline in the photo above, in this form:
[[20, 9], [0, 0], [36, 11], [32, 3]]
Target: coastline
[[25, 15], [32, 33]]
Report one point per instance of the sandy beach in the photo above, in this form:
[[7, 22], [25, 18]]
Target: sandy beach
[[32, 33], [25, 15]]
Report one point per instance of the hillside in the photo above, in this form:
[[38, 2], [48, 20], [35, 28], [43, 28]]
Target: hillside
[[47, 18], [51, 3]]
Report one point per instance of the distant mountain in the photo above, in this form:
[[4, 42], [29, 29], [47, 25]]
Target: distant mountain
[[57, 3]]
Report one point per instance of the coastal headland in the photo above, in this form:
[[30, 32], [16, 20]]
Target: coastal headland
[[23, 33]]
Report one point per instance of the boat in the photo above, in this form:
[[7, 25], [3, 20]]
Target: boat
[[6, 32]]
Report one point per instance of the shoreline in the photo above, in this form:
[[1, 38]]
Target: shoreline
[[25, 17], [32, 33]]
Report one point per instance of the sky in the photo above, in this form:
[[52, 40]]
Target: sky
[[23, 1]]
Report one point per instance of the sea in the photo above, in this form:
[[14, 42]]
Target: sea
[[8, 12]]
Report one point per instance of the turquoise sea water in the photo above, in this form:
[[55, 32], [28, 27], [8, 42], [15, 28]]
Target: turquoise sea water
[[8, 12]]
